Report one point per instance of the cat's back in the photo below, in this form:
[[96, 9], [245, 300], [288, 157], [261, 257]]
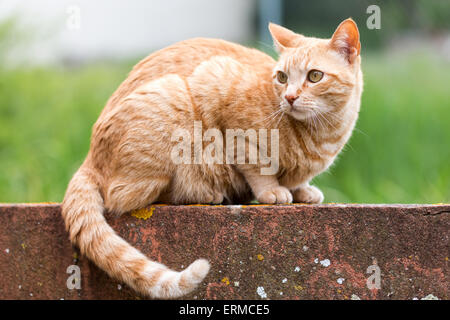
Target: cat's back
[[183, 58]]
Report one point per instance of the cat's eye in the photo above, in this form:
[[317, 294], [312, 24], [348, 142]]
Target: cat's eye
[[315, 75], [282, 77]]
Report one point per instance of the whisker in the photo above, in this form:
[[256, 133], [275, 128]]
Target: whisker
[[269, 122], [269, 117], [282, 115], [359, 130], [322, 115], [332, 115]]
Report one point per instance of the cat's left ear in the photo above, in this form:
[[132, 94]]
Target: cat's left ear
[[283, 38], [345, 40]]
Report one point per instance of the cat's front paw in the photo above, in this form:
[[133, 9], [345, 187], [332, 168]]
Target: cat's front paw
[[308, 194], [277, 194]]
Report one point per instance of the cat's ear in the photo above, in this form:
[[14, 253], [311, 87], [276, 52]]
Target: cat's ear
[[345, 40], [283, 38]]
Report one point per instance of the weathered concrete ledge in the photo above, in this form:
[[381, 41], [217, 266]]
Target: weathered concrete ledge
[[292, 251]]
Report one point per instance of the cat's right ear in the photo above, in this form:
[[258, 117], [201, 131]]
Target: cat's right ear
[[283, 38]]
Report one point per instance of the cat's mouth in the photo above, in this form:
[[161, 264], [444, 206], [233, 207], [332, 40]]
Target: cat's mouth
[[301, 113]]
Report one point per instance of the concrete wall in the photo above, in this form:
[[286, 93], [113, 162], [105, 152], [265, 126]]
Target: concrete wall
[[256, 252]]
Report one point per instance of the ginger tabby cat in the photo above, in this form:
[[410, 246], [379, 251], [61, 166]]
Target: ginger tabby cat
[[313, 92]]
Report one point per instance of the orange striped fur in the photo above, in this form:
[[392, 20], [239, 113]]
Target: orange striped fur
[[225, 86]]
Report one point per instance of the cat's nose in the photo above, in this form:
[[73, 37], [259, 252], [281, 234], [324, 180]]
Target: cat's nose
[[291, 98]]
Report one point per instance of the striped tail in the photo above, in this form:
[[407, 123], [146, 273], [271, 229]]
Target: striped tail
[[82, 210]]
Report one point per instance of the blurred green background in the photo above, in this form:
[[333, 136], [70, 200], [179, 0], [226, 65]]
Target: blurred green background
[[399, 152]]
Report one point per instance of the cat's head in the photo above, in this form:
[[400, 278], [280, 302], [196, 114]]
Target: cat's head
[[316, 76]]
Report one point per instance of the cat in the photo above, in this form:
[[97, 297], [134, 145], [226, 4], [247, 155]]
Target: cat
[[311, 95]]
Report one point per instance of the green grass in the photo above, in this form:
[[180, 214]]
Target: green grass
[[398, 154], [46, 116]]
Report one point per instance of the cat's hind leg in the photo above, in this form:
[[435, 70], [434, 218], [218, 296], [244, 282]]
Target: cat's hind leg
[[124, 195]]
